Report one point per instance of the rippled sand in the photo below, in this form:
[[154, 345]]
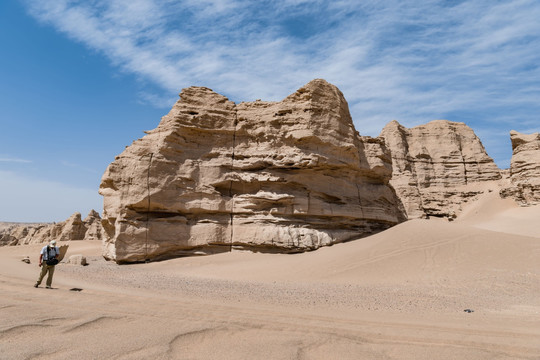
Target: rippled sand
[[400, 294]]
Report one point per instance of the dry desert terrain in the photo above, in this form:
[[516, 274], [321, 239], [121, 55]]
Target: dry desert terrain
[[400, 294]]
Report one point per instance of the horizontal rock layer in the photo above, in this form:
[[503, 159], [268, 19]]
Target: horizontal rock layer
[[271, 176]]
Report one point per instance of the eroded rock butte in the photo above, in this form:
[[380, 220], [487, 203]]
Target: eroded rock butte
[[437, 167], [524, 169], [283, 176]]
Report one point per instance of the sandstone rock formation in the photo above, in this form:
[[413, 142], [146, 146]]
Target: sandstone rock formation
[[94, 229], [524, 169], [283, 176], [73, 228], [437, 167]]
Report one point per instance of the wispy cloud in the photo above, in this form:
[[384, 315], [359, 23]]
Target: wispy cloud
[[9, 159], [406, 60]]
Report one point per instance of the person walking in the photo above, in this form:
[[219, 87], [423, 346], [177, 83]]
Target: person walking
[[48, 258]]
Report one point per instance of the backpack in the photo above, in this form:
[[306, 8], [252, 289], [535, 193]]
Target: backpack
[[50, 261]]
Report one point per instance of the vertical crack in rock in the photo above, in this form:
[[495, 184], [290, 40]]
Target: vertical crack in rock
[[151, 155], [359, 199], [462, 157], [231, 195]]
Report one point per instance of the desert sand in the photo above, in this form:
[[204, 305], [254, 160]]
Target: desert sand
[[400, 294]]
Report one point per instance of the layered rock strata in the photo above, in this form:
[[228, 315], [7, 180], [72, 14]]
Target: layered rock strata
[[437, 167], [283, 176], [524, 169], [74, 228]]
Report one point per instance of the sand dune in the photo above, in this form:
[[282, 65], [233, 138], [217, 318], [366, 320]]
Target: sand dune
[[493, 213], [400, 294]]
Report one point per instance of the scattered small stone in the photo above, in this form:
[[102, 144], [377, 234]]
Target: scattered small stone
[[468, 311], [75, 289], [26, 260]]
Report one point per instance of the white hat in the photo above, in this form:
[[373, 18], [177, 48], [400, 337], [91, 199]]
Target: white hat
[[53, 242]]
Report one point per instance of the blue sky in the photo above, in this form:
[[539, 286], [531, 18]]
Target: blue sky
[[80, 80]]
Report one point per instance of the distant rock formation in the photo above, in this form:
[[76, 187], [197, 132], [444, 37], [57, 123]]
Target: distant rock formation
[[73, 228], [283, 176], [94, 229], [436, 167], [524, 169]]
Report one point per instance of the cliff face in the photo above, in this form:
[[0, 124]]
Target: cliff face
[[272, 176], [73, 228], [437, 167], [524, 184]]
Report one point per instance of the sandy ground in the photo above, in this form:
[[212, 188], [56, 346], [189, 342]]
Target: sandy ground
[[400, 294]]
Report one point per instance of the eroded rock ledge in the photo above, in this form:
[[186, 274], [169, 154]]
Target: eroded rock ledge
[[283, 176]]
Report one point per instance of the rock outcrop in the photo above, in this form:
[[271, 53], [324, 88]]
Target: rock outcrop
[[283, 176], [94, 229], [524, 169], [437, 167], [73, 228], [77, 259]]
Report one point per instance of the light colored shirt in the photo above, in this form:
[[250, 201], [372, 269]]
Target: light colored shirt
[[53, 251]]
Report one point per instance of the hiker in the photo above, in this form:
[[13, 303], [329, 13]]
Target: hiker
[[48, 258]]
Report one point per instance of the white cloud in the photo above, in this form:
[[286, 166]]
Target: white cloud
[[10, 159], [34, 200], [406, 60]]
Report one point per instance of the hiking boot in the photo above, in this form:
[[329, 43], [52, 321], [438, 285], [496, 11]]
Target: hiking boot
[[48, 287], [36, 285]]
